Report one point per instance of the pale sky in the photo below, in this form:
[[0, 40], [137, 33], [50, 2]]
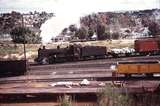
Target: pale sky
[[68, 11], [76, 6]]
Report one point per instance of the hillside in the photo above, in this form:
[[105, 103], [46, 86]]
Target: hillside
[[32, 20], [128, 24]]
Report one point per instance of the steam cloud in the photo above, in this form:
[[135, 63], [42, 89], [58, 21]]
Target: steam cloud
[[52, 27]]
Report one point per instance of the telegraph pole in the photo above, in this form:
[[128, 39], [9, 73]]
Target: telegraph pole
[[24, 46]]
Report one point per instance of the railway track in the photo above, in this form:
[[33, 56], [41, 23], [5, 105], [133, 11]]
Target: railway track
[[70, 71], [84, 67], [76, 77], [91, 63], [77, 71], [40, 79], [71, 87]]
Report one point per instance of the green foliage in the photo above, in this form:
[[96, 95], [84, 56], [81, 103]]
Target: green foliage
[[154, 28], [64, 31], [115, 35], [100, 31], [90, 33], [33, 38], [109, 97], [107, 35], [81, 33], [65, 101], [116, 21], [72, 28], [24, 35]]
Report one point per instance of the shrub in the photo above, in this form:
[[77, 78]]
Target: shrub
[[24, 35], [108, 97], [65, 100]]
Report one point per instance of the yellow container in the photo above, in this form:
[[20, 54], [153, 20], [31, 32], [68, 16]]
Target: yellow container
[[154, 68], [138, 68]]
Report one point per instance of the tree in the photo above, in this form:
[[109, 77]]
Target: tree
[[24, 35], [81, 33], [115, 35], [33, 38], [64, 31], [154, 28], [100, 31], [90, 33], [73, 28]]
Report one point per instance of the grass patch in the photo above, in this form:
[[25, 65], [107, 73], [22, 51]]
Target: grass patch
[[108, 97], [65, 100]]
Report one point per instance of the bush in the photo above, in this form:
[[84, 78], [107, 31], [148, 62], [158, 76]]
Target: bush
[[108, 97], [81, 33], [115, 35], [24, 35], [100, 32], [65, 100]]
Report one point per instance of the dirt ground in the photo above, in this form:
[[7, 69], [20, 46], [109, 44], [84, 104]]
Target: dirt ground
[[16, 51]]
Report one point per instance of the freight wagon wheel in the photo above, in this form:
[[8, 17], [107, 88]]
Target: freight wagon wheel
[[114, 55], [142, 54], [156, 53], [146, 54], [128, 75], [127, 54], [149, 74]]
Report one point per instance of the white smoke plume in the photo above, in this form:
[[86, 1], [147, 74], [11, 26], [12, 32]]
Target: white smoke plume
[[52, 27]]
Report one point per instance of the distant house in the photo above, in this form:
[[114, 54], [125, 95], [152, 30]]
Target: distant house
[[5, 38], [61, 38]]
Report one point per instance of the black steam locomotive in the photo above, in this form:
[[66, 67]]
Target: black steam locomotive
[[70, 53]]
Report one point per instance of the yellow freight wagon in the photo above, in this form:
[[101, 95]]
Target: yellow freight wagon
[[146, 67]]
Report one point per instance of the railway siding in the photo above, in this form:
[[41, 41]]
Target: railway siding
[[66, 78]]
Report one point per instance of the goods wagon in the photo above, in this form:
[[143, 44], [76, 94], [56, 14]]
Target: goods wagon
[[142, 46], [146, 67], [12, 67], [147, 45]]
